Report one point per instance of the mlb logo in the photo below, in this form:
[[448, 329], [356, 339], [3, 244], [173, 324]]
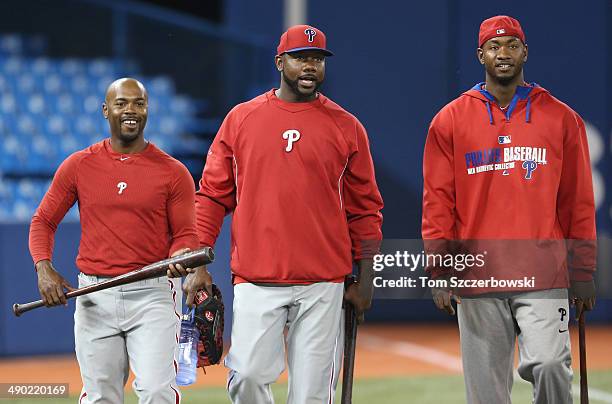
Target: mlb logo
[[504, 139], [501, 31], [209, 316]]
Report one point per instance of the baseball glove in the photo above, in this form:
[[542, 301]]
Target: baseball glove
[[209, 321]]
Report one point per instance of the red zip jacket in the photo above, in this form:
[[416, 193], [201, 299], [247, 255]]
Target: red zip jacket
[[299, 180], [135, 209], [522, 175]]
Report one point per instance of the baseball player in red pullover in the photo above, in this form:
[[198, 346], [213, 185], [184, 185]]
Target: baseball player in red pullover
[[295, 170], [506, 166], [137, 206]]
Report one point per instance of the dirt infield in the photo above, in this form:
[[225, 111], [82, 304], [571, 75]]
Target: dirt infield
[[382, 351]]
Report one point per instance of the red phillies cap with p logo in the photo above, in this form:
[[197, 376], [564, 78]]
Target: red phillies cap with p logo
[[302, 37], [500, 25]]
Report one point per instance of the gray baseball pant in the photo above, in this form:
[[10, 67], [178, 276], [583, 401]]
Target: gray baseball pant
[[489, 327], [312, 315], [131, 326]]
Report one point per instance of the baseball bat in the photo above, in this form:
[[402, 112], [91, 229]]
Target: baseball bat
[[191, 259], [350, 342], [584, 387]]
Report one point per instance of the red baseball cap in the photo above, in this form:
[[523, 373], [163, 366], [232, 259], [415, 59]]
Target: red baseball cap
[[500, 25], [302, 37]]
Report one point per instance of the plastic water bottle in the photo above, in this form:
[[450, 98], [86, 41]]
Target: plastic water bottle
[[188, 351]]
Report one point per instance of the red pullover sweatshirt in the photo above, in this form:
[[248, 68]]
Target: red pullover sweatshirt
[[521, 175], [135, 209], [299, 180]]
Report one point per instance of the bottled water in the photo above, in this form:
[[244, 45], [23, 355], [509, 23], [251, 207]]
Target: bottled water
[[188, 351]]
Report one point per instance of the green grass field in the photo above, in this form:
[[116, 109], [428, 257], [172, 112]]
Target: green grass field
[[418, 390]]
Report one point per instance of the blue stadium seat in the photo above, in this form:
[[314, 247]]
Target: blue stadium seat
[[69, 143], [14, 66], [14, 157], [42, 66], [8, 104], [92, 104], [56, 125], [5, 84], [155, 106], [37, 104], [27, 126], [27, 189], [26, 83], [84, 125], [80, 84], [182, 105], [102, 84], [11, 44], [65, 104], [101, 68], [160, 86], [72, 66], [169, 126], [54, 83], [23, 210]]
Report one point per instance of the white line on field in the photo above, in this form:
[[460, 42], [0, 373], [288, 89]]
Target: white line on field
[[414, 351], [450, 362]]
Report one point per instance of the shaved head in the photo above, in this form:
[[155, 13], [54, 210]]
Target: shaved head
[[125, 82]]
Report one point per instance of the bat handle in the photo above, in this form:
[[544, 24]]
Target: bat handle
[[19, 309], [584, 389]]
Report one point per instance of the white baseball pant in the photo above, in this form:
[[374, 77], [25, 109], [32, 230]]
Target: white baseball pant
[[131, 326], [312, 316]]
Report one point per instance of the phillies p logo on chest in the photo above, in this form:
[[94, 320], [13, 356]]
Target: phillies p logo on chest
[[122, 186], [529, 166], [291, 136]]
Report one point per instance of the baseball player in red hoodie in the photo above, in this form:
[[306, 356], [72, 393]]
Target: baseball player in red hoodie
[[506, 166], [295, 170]]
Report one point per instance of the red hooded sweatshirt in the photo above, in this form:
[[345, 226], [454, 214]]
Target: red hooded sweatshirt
[[520, 176]]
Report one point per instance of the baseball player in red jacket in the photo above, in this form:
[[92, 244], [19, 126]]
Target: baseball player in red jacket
[[506, 166], [295, 170]]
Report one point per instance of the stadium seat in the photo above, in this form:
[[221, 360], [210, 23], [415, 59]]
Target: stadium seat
[[8, 104], [11, 44], [53, 83]]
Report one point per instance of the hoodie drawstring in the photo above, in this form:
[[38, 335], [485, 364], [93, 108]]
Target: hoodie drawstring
[[490, 113], [528, 110], [522, 92]]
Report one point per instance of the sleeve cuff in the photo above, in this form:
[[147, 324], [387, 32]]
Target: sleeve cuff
[[39, 258], [207, 242], [177, 245]]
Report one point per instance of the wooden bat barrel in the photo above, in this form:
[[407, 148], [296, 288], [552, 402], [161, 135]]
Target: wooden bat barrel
[[191, 259]]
